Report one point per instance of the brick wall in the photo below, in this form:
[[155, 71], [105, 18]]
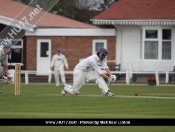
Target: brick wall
[[74, 48]]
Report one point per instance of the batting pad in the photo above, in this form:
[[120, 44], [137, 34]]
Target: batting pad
[[101, 82]]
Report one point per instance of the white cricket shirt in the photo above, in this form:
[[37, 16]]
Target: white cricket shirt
[[59, 61], [91, 63]]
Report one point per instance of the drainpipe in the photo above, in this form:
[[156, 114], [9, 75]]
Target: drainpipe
[[118, 29]]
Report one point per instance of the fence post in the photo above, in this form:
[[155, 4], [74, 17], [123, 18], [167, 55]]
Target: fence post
[[127, 78], [26, 78], [167, 77], [157, 78], [50, 77]]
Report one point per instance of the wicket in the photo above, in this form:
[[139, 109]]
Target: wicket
[[17, 79]]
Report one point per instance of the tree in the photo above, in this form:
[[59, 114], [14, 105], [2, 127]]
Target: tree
[[45, 4], [106, 4], [26, 2], [81, 10]]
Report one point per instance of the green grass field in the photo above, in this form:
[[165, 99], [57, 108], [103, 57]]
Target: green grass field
[[45, 101]]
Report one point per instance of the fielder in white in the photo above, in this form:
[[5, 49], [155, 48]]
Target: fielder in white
[[4, 52], [58, 62], [89, 69]]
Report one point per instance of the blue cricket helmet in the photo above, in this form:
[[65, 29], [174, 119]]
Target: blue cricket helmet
[[102, 52]]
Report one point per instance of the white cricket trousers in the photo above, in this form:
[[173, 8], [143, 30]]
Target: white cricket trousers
[[60, 71], [80, 76]]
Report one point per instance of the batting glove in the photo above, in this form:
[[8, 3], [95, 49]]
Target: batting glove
[[111, 79]]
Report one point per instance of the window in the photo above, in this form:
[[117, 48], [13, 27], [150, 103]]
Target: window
[[151, 44], [166, 44], [166, 50], [44, 48], [17, 55], [156, 44], [151, 50], [97, 44], [151, 34]]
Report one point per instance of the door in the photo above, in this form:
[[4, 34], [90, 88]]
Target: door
[[43, 56]]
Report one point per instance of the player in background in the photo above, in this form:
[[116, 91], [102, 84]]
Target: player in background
[[58, 62], [89, 69], [4, 52]]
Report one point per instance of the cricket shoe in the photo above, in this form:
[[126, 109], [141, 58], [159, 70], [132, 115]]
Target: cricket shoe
[[107, 94], [63, 92]]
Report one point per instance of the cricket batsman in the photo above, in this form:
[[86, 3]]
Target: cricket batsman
[[89, 69], [4, 52]]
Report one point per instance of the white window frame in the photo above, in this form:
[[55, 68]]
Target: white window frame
[[98, 41], [159, 39], [163, 40], [15, 46]]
